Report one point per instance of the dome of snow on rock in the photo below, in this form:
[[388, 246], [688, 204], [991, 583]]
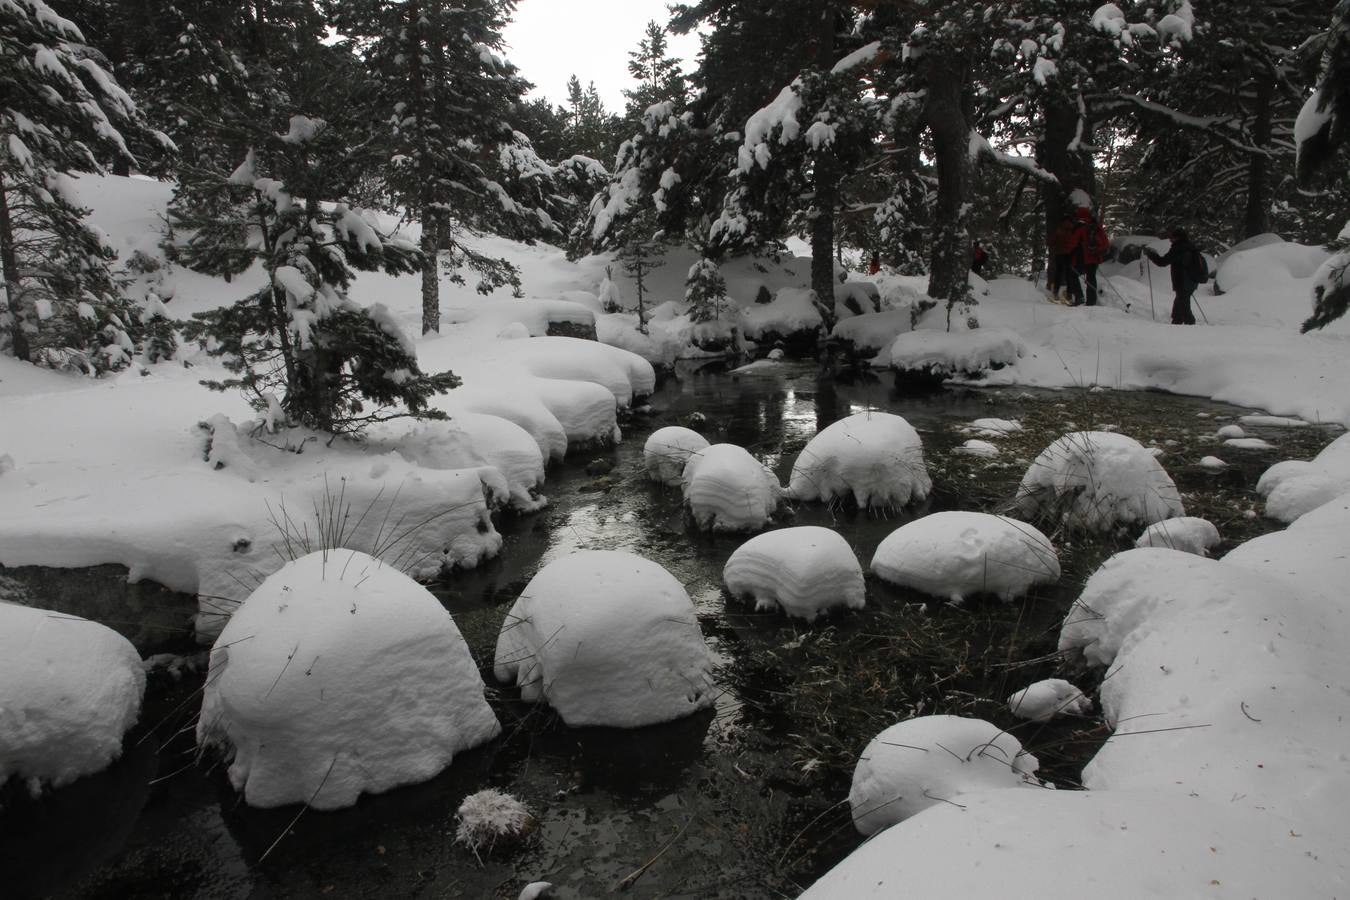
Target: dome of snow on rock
[[1098, 480], [1044, 700], [803, 571], [875, 458], [69, 690], [921, 762], [727, 489], [606, 638], [1190, 534], [667, 451], [339, 676], [958, 554]]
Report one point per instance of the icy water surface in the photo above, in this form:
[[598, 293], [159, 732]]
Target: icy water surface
[[742, 801]]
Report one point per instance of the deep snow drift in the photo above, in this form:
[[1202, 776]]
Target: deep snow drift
[[875, 458], [69, 690], [340, 676], [606, 638], [955, 555], [804, 571]]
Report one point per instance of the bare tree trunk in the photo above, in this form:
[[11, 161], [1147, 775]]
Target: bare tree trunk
[[10, 263], [1256, 219], [431, 232], [945, 116], [826, 178], [1064, 154], [431, 281]]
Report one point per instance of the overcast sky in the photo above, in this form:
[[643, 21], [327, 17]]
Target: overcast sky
[[550, 40]]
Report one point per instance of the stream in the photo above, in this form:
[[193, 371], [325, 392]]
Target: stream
[[743, 800]]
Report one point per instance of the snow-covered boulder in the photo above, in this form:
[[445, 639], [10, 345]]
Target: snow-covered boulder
[[871, 333], [69, 690], [921, 762], [338, 676], [1189, 534], [978, 448], [606, 638], [471, 440], [1098, 480], [803, 571], [1044, 700], [993, 428], [668, 449], [875, 458], [623, 372], [958, 554], [727, 489], [944, 354], [1294, 487]]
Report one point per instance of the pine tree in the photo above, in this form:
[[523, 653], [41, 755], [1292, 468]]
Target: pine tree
[[591, 130], [446, 95], [62, 113], [657, 74], [705, 290], [300, 344]]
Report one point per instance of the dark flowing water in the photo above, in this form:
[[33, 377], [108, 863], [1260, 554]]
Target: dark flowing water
[[742, 801]]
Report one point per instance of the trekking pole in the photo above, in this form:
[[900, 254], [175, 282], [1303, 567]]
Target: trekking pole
[[1201, 308], [1148, 274], [1115, 290]]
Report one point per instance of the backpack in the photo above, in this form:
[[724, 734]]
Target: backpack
[[1098, 244], [1197, 267]]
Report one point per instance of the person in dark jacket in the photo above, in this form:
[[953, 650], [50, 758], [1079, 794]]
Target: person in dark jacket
[[1181, 257], [977, 257], [1090, 247]]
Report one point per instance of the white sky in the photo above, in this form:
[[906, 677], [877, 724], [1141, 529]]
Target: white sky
[[550, 40]]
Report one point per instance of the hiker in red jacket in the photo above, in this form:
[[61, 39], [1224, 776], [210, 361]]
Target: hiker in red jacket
[[1061, 250], [1089, 248]]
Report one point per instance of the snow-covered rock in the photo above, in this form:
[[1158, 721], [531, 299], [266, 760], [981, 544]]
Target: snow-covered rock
[[668, 449], [1189, 534], [1098, 480], [1294, 487], [490, 816], [727, 489], [471, 440], [606, 638], [1044, 700], [957, 554], [993, 428], [1249, 443], [876, 458], [1228, 432], [977, 447], [338, 676], [946, 353], [1213, 464], [804, 571], [921, 762], [69, 690]]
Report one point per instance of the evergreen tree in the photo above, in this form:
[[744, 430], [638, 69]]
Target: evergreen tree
[[591, 129], [705, 290], [657, 74], [299, 346], [61, 114], [446, 95]]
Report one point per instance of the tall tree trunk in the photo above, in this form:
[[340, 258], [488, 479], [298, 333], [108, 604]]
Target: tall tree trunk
[[1063, 152], [1256, 219], [945, 115], [431, 279], [431, 232], [10, 263], [826, 180]]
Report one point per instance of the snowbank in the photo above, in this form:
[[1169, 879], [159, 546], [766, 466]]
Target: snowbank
[[727, 489], [340, 676], [803, 571], [1098, 480], [1189, 534], [1294, 487], [876, 458], [668, 449], [69, 690], [945, 353], [959, 554], [930, 760], [606, 638]]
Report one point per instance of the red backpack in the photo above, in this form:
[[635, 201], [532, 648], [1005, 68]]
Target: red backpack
[[1096, 245]]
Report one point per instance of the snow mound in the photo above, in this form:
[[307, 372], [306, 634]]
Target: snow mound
[[873, 332], [958, 554], [667, 451], [471, 440], [975, 447], [727, 489], [804, 571], [993, 428], [957, 352], [1098, 480], [69, 690], [1295, 487], [1247, 443], [1189, 534], [606, 638], [791, 310], [623, 372], [922, 762], [338, 676], [1230, 431], [1044, 700], [1213, 463], [874, 457]]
